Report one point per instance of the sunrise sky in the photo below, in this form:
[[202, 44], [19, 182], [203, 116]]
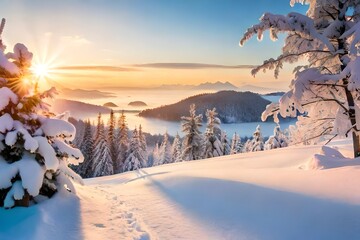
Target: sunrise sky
[[96, 44]]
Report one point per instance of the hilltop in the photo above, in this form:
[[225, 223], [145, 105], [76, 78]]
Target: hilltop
[[232, 107]]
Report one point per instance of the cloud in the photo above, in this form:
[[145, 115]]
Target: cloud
[[136, 67], [192, 66], [96, 68]]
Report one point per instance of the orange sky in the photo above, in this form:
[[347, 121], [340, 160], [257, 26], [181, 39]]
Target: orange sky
[[121, 34]]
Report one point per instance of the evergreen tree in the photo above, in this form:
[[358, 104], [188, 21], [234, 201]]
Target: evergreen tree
[[213, 146], [111, 139], [143, 146], [192, 147], [80, 131], [236, 144], [165, 151], [34, 148], [122, 139], [156, 155], [134, 159], [176, 149], [225, 145], [256, 143], [103, 164], [327, 87], [86, 169], [278, 140], [247, 146]]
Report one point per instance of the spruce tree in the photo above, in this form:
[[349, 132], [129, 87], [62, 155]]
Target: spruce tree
[[192, 147], [278, 140], [213, 146], [103, 164], [176, 149], [235, 144], [134, 159], [86, 168], [111, 138], [225, 145], [122, 139], [156, 155], [165, 151], [34, 144], [143, 148], [256, 143]]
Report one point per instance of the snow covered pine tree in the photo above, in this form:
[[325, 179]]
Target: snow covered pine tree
[[165, 150], [213, 146], [278, 140], [176, 149], [34, 148], [192, 147], [327, 87], [256, 143]]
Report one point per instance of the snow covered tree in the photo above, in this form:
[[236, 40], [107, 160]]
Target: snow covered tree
[[192, 147], [156, 155], [111, 138], [122, 140], [176, 149], [225, 145], [134, 160], [327, 87], [85, 169], [165, 151], [80, 128], [34, 148], [103, 164], [256, 143], [247, 146], [213, 146], [236, 144], [278, 140], [143, 147]]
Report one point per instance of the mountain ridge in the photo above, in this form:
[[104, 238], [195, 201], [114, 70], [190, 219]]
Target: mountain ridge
[[232, 107]]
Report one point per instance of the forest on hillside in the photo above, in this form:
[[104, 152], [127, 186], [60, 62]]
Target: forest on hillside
[[232, 107]]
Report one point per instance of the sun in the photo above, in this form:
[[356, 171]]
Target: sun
[[40, 70]]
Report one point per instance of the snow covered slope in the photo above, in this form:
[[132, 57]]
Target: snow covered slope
[[264, 195]]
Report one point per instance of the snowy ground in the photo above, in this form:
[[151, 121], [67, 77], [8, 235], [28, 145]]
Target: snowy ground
[[265, 195]]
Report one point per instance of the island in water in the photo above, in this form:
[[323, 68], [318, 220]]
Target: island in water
[[137, 104]]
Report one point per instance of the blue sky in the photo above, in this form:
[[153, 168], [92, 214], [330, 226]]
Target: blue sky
[[123, 32]]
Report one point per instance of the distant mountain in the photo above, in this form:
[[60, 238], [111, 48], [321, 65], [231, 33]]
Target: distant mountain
[[175, 87], [232, 107], [79, 109], [81, 93], [256, 89], [218, 86]]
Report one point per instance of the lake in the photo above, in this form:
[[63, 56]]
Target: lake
[[155, 98]]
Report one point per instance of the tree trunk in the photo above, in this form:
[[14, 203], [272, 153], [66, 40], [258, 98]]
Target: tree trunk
[[356, 144], [24, 202], [349, 96]]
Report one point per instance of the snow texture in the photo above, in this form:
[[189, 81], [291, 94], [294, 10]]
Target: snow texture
[[7, 96], [243, 196], [9, 66], [57, 127], [6, 122]]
